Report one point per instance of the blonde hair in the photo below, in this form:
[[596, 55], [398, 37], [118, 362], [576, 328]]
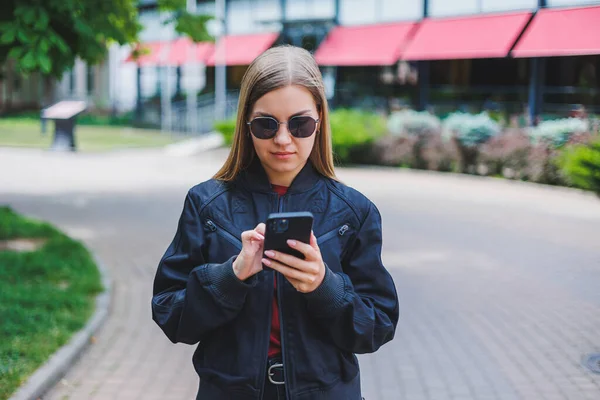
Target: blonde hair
[[279, 67]]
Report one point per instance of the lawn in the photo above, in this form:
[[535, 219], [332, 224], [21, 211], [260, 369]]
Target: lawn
[[46, 295], [22, 132]]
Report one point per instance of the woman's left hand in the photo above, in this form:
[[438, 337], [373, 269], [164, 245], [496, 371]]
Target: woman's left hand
[[305, 275]]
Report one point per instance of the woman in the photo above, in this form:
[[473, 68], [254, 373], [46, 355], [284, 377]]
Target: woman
[[289, 331]]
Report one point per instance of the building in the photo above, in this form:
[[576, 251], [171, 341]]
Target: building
[[515, 56]]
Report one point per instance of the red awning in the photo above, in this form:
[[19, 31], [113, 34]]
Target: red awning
[[561, 32], [242, 49], [184, 50], [178, 52], [364, 45], [484, 36]]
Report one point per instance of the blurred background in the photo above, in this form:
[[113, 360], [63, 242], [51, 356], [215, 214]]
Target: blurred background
[[498, 277]]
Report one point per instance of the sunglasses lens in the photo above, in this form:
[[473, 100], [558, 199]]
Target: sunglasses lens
[[302, 126], [264, 127]]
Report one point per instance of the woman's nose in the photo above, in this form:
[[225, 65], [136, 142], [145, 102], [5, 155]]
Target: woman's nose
[[283, 135]]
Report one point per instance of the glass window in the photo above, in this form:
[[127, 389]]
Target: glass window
[[90, 78]]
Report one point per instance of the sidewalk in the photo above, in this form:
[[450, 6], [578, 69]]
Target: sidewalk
[[498, 284]]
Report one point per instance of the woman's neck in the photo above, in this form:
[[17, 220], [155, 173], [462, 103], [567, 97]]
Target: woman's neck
[[282, 178]]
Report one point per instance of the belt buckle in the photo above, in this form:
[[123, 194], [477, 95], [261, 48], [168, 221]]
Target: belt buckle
[[270, 373]]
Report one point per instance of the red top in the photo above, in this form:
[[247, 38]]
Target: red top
[[275, 339]]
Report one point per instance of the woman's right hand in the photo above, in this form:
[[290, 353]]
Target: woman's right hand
[[249, 261]]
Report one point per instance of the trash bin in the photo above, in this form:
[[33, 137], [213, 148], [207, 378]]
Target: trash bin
[[64, 114]]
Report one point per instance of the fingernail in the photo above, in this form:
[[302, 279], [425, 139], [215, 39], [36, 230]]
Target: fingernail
[[292, 243], [266, 262], [269, 253]]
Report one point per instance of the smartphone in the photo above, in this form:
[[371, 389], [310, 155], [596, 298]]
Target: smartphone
[[284, 226]]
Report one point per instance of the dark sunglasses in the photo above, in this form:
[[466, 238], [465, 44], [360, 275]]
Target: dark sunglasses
[[301, 126]]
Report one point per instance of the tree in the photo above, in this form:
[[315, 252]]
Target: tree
[[186, 23], [47, 36]]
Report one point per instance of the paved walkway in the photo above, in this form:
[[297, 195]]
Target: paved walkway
[[499, 283]]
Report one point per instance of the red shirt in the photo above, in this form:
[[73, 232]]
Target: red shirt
[[275, 339]]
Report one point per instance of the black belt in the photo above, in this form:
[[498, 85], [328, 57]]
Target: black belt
[[275, 371]]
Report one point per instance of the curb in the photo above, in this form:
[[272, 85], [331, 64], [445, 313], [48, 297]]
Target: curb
[[478, 178], [45, 377]]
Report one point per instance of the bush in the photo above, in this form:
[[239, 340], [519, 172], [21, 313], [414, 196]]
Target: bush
[[412, 123], [470, 130], [581, 166], [466, 132], [227, 129], [558, 132], [353, 133], [395, 151], [506, 154]]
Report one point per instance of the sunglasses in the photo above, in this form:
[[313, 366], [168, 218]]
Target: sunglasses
[[301, 126]]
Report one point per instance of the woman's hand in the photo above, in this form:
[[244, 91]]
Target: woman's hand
[[249, 261], [305, 275]]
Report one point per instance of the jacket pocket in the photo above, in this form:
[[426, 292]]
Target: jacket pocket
[[211, 226], [340, 231]]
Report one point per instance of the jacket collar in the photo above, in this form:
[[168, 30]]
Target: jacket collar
[[255, 178]]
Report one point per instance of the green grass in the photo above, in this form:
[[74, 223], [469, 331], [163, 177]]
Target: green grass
[[24, 132], [46, 295]]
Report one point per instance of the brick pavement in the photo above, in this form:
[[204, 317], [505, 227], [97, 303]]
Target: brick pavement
[[499, 284]]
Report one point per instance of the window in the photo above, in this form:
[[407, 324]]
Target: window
[[90, 79]]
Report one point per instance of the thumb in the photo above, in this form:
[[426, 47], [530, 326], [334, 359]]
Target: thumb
[[313, 241]]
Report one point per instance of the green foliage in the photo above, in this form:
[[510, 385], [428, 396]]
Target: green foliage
[[581, 165], [353, 132], [47, 36], [46, 295], [192, 25], [227, 129]]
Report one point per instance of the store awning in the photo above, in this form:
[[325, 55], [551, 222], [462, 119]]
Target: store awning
[[561, 32], [177, 52], [380, 44], [484, 36], [184, 50], [242, 49]]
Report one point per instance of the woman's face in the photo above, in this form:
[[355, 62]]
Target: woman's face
[[284, 155]]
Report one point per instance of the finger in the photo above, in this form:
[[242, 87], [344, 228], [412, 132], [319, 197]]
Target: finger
[[260, 228], [290, 260], [307, 249], [252, 235], [289, 272], [313, 242]]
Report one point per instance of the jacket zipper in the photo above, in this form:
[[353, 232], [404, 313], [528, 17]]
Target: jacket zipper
[[280, 308], [222, 232], [331, 234]]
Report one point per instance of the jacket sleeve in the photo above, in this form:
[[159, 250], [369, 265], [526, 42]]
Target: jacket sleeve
[[359, 308], [190, 296]]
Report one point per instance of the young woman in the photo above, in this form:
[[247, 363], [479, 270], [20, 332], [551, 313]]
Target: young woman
[[290, 331]]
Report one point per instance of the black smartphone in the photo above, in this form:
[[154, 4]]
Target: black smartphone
[[289, 225]]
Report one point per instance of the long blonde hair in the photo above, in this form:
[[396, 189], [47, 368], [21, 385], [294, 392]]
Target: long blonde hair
[[279, 67]]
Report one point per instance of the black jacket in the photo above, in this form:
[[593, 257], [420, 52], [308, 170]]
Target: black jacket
[[198, 299]]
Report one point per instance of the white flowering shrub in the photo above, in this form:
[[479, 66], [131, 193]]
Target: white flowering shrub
[[410, 122], [557, 132], [470, 130]]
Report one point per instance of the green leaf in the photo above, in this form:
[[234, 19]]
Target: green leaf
[[45, 64], [28, 60], [42, 22], [15, 53], [29, 15], [8, 37], [24, 36]]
